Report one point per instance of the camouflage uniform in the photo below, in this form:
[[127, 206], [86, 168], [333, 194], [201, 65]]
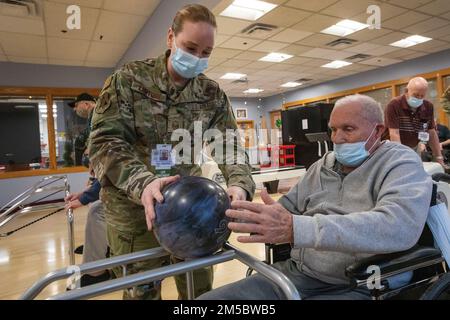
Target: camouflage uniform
[[139, 108], [445, 100]]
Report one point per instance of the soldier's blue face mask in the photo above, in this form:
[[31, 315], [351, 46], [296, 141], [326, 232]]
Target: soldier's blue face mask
[[187, 65], [353, 154]]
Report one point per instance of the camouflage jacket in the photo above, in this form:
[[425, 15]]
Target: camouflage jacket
[[445, 100], [139, 108]]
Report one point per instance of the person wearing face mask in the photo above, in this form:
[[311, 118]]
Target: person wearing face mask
[[365, 198], [410, 120], [95, 242], [141, 107]]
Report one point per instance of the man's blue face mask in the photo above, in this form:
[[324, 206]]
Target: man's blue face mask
[[414, 102], [187, 65], [352, 154]]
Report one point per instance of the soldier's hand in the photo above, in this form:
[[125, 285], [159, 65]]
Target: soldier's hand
[[151, 193], [237, 193]]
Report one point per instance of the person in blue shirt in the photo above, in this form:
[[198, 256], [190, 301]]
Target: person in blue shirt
[[96, 245]]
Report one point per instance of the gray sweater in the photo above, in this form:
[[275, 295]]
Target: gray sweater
[[380, 207]]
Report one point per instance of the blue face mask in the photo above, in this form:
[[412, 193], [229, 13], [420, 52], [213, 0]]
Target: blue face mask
[[187, 65], [414, 102], [352, 154]]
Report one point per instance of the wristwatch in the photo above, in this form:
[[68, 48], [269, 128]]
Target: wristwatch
[[439, 158]]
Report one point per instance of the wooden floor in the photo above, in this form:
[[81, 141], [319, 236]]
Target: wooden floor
[[31, 253]]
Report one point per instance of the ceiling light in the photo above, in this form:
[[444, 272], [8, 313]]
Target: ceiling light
[[276, 57], [344, 28], [291, 84], [336, 64], [248, 9], [253, 91], [410, 41], [233, 76]]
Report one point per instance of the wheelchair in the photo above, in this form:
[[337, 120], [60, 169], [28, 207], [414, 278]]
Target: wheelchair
[[424, 264]]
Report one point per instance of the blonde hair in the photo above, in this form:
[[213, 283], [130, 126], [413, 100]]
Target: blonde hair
[[193, 13]]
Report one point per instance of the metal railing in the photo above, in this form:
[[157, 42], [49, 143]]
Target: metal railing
[[46, 187], [227, 254]]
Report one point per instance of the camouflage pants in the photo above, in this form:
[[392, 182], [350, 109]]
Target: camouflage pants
[[127, 242]]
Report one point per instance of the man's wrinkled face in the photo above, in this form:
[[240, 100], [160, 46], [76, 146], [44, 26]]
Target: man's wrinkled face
[[196, 38], [348, 126], [417, 91]]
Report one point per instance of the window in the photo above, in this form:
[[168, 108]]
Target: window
[[383, 96], [69, 127], [24, 134]]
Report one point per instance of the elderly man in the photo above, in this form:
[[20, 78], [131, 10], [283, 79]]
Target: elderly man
[[410, 120], [367, 197]]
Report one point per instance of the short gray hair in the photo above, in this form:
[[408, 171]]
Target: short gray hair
[[370, 109]]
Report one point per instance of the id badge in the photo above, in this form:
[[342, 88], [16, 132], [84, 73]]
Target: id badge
[[424, 136], [162, 158]]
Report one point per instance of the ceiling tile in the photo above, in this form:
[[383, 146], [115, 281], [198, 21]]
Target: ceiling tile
[[19, 59], [235, 63], [55, 22], [270, 46], [404, 20], [364, 47], [438, 33], [225, 53], [104, 51], [290, 35], [65, 62], [214, 61], [390, 38], [431, 46], [230, 26], [382, 50], [296, 61], [82, 3], [250, 55], [446, 16], [295, 49], [368, 34], [138, 7], [379, 61], [22, 25], [399, 54], [259, 65], [67, 48], [348, 8], [317, 40], [220, 38], [435, 8], [315, 6], [327, 54], [316, 23], [117, 27], [3, 58], [427, 25], [284, 17], [280, 67], [315, 63], [415, 55], [410, 4], [21, 45], [239, 43]]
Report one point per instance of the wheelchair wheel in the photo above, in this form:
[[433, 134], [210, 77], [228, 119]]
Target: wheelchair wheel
[[440, 290]]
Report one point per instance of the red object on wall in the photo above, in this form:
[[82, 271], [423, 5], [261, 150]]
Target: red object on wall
[[281, 156]]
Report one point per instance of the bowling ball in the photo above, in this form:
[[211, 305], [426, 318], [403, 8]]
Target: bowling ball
[[191, 221]]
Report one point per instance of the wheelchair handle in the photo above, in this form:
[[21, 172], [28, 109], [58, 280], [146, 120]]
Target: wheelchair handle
[[437, 177]]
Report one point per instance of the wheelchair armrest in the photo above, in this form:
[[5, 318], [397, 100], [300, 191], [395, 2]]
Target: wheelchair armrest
[[392, 262]]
